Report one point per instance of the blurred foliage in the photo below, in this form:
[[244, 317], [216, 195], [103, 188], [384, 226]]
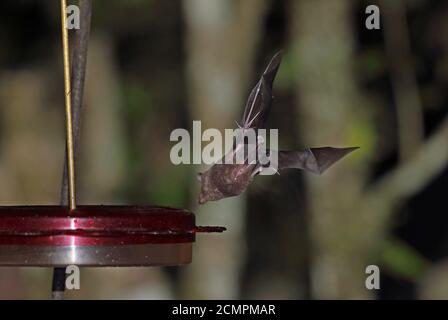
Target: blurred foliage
[[403, 260]]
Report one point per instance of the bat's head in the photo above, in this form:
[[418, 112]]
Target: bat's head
[[209, 192]]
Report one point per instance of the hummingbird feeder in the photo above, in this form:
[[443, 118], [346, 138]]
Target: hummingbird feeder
[[92, 235]]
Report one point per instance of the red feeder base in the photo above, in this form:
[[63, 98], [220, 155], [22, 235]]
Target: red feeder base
[[97, 236]]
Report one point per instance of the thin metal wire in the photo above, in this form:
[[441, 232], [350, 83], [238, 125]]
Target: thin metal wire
[[68, 110]]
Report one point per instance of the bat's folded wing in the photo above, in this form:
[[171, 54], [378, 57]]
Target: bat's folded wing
[[316, 160], [259, 101]]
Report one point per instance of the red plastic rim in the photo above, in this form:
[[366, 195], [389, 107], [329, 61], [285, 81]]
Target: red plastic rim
[[97, 225]]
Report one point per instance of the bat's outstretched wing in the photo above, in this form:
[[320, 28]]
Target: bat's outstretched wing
[[316, 160], [259, 101]]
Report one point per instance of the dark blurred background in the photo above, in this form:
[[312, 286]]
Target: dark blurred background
[[154, 66]]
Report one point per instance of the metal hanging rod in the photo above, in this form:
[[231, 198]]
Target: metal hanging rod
[[68, 110]]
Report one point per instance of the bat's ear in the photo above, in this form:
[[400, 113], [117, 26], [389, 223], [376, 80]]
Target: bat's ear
[[199, 176]]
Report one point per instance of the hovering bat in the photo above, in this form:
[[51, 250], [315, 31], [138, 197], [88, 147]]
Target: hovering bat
[[225, 180]]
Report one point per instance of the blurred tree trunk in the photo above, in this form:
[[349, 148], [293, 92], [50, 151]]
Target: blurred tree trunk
[[32, 147], [101, 165], [330, 110], [221, 40], [403, 78]]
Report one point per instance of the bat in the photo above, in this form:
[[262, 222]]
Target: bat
[[230, 178]]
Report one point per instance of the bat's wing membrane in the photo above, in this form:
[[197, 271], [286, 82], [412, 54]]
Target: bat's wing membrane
[[315, 160], [255, 113], [259, 102]]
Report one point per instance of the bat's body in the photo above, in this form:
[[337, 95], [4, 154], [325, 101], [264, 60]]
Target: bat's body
[[224, 180]]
